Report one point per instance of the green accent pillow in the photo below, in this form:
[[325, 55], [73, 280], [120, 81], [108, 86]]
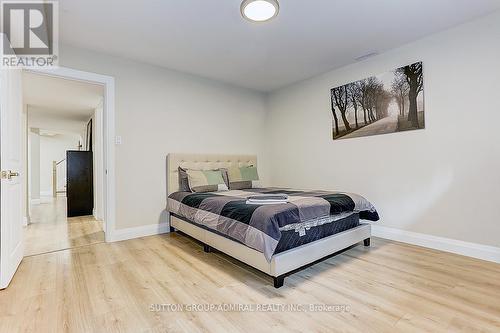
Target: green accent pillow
[[241, 177], [204, 180]]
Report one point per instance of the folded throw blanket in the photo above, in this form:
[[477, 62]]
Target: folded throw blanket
[[273, 197], [266, 202]]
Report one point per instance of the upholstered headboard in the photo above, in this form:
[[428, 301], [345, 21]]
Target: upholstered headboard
[[202, 162]]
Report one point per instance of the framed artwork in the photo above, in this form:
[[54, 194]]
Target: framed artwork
[[386, 103]]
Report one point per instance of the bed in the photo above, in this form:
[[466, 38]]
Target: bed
[[276, 239]]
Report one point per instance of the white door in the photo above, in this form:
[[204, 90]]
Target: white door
[[11, 215]]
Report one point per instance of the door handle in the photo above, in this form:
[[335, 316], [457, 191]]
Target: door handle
[[9, 174]]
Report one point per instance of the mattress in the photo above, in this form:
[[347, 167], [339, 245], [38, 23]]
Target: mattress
[[292, 238]]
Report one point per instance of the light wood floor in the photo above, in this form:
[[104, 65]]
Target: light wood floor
[[109, 287], [51, 230]]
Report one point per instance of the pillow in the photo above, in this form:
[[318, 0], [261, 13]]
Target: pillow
[[234, 185], [225, 176], [204, 180], [240, 185], [183, 180], [241, 177]]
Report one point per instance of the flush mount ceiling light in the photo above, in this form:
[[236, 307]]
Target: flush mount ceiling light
[[259, 10]]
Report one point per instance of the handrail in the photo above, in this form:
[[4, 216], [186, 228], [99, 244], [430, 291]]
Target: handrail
[[54, 177]]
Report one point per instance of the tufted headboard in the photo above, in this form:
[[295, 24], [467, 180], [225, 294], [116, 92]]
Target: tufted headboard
[[202, 162]]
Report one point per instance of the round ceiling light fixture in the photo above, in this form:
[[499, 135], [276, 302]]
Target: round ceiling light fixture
[[260, 10]]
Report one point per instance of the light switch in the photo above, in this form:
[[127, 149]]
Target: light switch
[[118, 140]]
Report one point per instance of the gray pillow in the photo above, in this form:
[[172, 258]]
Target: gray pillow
[[205, 188], [183, 180], [184, 183], [235, 185], [240, 185], [225, 176]]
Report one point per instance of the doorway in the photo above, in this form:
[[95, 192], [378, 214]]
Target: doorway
[[14, 180], [64, 145]]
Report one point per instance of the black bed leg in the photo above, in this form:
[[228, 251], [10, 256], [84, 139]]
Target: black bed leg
[[172, 229], [366, 242], [207, 248], [279, 281]]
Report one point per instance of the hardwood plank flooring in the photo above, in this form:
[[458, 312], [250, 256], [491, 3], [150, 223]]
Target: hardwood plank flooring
[[51, 230], [111, 287]]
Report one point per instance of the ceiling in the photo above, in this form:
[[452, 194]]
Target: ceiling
[[211, 39], [38, 118], [60, 98]]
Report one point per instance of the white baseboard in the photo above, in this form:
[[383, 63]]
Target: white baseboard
[[136, 232], [479, 251], [35, 201]]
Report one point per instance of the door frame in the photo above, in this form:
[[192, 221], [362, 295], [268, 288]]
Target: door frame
[[109, 175]]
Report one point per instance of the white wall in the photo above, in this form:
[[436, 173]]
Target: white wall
[[53, 148], [441, 181], [159, 111]]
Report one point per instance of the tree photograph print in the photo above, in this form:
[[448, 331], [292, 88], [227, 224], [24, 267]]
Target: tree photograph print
[[386, 103]]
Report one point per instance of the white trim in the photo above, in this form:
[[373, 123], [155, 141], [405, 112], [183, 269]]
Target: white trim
[[141, 231], [46, 193], [474, 250], [35, 201], [99, 161], [109, 134], [25, 221]]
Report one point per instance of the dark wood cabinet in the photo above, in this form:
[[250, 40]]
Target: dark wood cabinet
[[80, 187]]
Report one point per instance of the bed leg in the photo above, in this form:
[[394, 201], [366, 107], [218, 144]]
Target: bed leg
[[207, 248], [366, 242], [172, 229], [279, 281]]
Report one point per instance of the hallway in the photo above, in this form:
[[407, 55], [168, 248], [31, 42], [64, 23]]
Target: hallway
[[50, 230]]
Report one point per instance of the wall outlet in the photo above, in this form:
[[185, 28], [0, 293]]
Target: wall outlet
[[118, 140]]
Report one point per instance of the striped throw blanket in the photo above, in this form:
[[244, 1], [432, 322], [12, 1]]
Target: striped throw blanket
[[259, 226]]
